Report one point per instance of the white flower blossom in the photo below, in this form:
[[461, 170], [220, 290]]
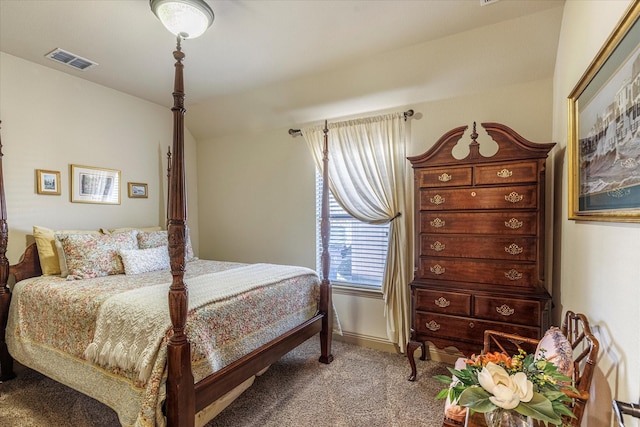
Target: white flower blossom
[[508, 391]]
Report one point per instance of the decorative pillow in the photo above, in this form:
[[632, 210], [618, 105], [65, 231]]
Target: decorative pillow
[[123, 229], [154, 239], [557, 350], [47, 252], [138, 261], [90, 255]]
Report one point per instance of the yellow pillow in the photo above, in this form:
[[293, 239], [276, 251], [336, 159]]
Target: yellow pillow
[[47, 252]]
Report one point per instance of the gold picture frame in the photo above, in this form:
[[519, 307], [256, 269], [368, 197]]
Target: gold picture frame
[[48, 182], [95, 185], [604, 130], [138, 190]]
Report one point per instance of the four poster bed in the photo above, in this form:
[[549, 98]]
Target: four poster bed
[[88, 333]]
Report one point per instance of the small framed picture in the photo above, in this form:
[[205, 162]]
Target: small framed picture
[[48, 182], [138, 190], [95, 185]]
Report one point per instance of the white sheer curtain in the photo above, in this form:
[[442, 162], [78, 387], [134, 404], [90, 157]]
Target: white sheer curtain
[[367, 176]]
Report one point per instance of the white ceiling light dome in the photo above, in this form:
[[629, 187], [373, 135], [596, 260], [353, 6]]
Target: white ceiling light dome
[[187, 18]]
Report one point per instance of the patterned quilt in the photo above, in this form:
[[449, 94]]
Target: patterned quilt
[[52, 321]]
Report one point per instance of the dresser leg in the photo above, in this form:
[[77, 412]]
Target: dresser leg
[[411, 348]]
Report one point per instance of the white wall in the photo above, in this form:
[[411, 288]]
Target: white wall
[[51, 120], [597, 269]]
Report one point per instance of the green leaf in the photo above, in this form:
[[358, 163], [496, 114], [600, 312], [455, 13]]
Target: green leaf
[[562, 409], [477, 399], [443, 378], [443, 394], [539, 408]]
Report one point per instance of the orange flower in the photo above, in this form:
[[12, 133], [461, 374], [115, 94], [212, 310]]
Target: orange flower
[[495, 357]]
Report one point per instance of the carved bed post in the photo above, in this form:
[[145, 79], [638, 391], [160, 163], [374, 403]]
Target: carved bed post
[[6, 362], [180, 401], [326, 305]]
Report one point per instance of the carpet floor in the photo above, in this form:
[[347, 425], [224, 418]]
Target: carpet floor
[[362, 387]]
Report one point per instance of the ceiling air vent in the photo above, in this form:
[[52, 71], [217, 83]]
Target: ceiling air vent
[[71, 59]]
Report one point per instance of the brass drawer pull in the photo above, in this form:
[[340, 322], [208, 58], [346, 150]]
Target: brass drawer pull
[[514, 197], [472, 325], [437, 269], [445, 177], [473, 194], [432, 325], [437, 199], [437, 223], [513, 224], [505, 310], [505, 173], [513, 249], [442, 302], [513, 275], [437, 246]]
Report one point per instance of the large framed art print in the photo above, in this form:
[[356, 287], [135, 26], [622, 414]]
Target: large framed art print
[[604, 130]]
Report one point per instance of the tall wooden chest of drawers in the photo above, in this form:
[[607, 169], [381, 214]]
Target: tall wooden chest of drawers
[[479, 242]]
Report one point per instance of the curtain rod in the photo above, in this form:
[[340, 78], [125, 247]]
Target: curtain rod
[[296, 132]]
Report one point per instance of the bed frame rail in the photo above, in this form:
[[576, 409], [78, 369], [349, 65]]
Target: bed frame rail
[[226, 379]]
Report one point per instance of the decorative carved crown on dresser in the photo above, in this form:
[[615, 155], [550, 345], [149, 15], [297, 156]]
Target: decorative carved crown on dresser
[[479, 236]]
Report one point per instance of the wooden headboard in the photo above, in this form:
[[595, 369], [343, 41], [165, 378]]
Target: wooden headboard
[[28, 266]]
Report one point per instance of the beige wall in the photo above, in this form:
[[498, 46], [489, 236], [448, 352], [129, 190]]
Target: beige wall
[[51, 120], [597, 269], [257, 199]]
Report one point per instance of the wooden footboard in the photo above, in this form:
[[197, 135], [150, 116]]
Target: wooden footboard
[[183, 397]]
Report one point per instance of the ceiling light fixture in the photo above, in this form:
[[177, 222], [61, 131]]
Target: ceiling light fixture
[[185, 18]]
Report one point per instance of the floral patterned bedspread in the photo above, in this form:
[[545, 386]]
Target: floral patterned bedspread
[[52, 321]]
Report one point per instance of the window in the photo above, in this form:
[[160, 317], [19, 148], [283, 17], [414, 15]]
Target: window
[[358, 251]]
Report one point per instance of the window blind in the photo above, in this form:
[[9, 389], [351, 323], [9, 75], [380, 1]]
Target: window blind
[[358, 251]]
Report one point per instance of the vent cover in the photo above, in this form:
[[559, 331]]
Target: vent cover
[[486, 2], [71, 59]]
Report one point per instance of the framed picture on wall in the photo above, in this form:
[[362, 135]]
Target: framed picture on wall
[[48, 182], [138, 190], [604, 130], [95, 185]]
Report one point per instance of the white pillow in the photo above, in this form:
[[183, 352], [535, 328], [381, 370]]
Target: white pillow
[[138, 261]]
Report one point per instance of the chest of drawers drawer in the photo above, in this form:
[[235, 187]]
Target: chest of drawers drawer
[[516, 197], [521, 223], [505, 309], [506, 248], [506, 174], [478, 271], [444, 177], [464, 328], [442, 302]]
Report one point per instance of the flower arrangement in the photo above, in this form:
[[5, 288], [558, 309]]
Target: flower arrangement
[[530, 386]]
